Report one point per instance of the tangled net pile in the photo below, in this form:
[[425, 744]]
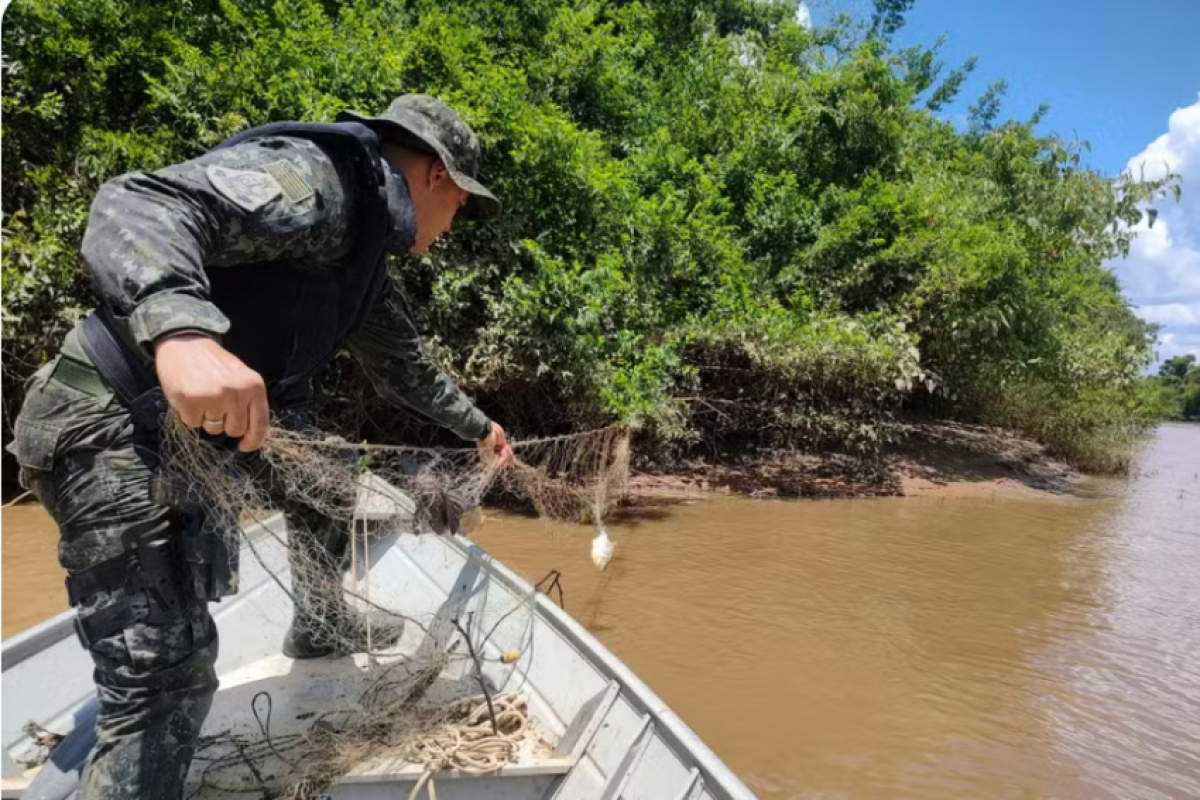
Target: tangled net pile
[[325, 487]]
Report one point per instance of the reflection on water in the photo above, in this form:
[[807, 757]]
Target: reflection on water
[[1010, 647]]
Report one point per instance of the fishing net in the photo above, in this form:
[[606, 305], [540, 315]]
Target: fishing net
[[431, 707]]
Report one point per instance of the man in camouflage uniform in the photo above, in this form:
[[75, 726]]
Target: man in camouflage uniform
[[229, 281]]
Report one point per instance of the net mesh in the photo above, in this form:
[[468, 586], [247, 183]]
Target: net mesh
[[431, 707]]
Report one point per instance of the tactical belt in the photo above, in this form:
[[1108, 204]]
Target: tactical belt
[[147, 564]]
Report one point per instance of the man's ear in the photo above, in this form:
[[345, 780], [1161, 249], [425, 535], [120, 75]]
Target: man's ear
[[439, 172], [430, 176]]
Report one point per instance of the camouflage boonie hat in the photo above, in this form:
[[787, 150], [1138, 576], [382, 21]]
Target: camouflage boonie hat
[[428, 124]]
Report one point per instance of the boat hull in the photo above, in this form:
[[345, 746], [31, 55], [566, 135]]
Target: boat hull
[[605, 733]]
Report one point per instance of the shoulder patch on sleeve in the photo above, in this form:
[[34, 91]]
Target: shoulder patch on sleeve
[[245, 188], [295, 188]]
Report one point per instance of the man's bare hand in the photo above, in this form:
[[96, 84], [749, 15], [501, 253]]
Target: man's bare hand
[[494, 448], [212, 389]]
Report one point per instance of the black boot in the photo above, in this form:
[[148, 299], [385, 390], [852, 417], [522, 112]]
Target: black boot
[[344, 635], [299, 643]]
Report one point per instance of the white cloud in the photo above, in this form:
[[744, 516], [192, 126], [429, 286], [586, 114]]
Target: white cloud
[[803, 15], [1171, 314], [1179, 147], [1162, 273]]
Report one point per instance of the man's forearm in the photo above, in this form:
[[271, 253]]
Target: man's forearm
[[431, 393], [389, 348]]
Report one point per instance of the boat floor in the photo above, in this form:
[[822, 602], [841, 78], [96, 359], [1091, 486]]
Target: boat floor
[[272, 701], [297, 694]]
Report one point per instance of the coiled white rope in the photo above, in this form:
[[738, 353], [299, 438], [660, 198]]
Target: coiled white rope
[[472, 746]]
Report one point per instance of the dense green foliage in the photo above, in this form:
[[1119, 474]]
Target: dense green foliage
[[1174, 393], [720, 225]]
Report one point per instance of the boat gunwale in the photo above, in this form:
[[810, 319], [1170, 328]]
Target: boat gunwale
[[24, 645], [667, 724]]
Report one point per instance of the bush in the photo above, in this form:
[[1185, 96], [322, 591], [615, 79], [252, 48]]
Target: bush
[[1174, 393]]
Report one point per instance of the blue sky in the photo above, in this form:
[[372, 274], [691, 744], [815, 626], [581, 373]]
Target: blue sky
[[1111, 72], [1125, 76]]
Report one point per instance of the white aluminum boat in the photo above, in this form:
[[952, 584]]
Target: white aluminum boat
[[600, 733]]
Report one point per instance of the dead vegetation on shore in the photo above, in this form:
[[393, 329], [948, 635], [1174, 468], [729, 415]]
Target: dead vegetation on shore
[[932, 458]]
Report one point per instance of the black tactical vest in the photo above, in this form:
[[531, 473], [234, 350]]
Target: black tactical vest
[[287, 323]]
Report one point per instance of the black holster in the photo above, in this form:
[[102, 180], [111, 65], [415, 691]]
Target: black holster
[[149, 566], [208, 558]]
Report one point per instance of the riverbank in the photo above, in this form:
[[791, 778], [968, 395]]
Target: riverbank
[[933, 459]]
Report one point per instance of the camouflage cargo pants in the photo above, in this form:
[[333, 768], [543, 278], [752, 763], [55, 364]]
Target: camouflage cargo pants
[[83, 458]]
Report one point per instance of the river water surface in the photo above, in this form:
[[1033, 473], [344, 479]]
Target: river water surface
[[1000, 646]]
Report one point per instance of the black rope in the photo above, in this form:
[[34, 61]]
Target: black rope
[[265, 727], [555, 578], [479, 673], [262, 782]]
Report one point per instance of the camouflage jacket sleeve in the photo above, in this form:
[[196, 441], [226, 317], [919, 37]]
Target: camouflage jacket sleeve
[[388, 346], [151, 236]]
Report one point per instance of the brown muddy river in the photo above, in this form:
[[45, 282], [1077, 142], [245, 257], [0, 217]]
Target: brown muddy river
[[1006, 646]]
